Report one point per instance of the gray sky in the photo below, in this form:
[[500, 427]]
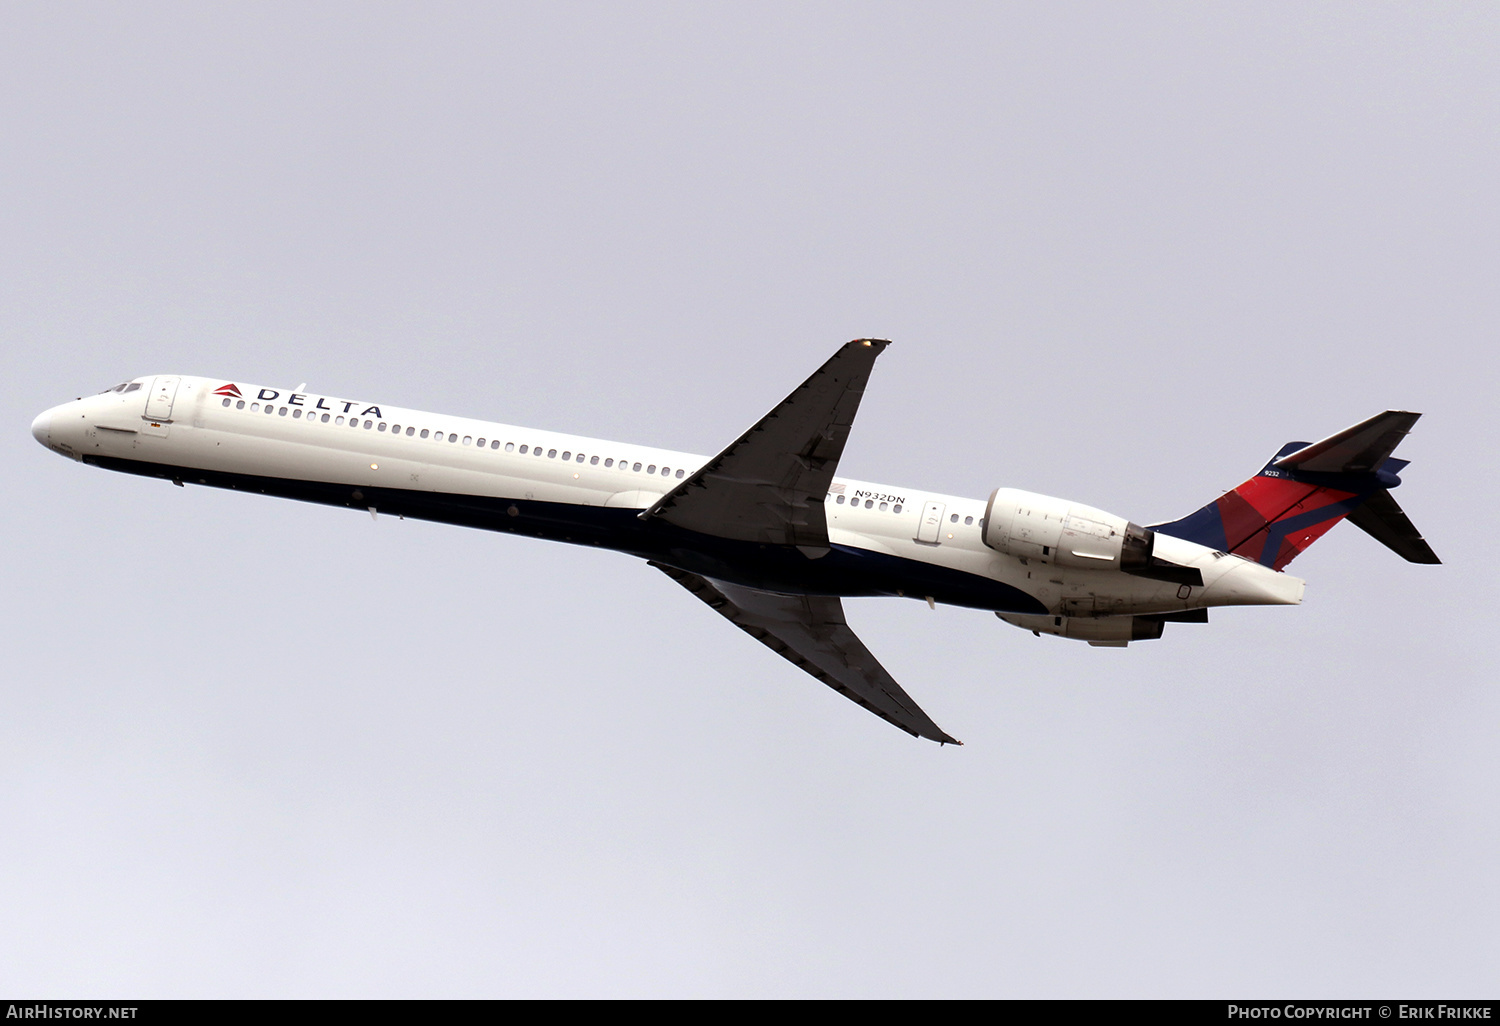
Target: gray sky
[[250, 747]]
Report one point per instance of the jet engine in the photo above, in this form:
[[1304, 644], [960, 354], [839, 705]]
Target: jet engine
[[1101, 631], [1050, 531]]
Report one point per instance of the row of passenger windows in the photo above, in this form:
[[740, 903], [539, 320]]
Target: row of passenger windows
[[533, 450], [651, 468], [478, 443], [870, 504]]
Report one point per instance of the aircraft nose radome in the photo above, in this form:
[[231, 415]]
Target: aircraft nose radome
[[41, 428]]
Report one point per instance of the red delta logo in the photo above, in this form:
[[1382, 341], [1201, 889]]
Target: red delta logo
[[233, 391]]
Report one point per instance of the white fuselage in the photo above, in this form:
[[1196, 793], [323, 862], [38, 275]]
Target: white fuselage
[[888, 539]]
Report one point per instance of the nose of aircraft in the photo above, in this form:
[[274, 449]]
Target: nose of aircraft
[[41, 428]]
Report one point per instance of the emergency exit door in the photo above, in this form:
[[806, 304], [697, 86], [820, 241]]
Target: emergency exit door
[[931, 523]]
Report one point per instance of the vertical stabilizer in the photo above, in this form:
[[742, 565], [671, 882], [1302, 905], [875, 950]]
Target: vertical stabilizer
[[1305, 490]]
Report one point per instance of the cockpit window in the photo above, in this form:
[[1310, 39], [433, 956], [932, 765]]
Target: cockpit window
[[124, 386]]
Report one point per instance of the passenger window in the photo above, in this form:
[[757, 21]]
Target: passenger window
[[666, 471], [255, 407], [593, 461], [579, 458], [568, 456], [495, 443], [953, 519], [240, 405], [840, 500], [296, 414], [651, 469], [636, 468], [281, 412], [896, 508], [968, 520], [453, 436], [424, 433], [609, 462], [552, 454], [869, 504], [324, 418], [479, 442], [226, 404], [468, 439], [679, 474], [367, 425], [882, 507]]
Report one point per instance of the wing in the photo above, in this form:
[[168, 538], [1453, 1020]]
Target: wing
[[810, 632], [769, 485]]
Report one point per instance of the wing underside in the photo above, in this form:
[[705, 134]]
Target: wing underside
[[810, 632]]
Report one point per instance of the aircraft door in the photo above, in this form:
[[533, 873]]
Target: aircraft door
[[931, 523], [160, 398]]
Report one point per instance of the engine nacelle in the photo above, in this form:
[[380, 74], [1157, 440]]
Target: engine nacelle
[[1101, 631], [1047, 530]]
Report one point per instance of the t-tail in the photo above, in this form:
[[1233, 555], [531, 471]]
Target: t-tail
[[1306, 489]]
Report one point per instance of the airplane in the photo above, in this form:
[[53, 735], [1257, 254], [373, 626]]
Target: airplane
[[765, 532]]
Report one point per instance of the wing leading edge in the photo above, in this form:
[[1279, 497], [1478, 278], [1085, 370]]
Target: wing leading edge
[[768, 486], [810, 632]]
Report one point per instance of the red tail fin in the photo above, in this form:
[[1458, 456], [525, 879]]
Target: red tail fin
[[1304, 491]]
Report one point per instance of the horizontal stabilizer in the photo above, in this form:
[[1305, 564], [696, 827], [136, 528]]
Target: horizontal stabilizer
[[1382, 518], [1360, 449]]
